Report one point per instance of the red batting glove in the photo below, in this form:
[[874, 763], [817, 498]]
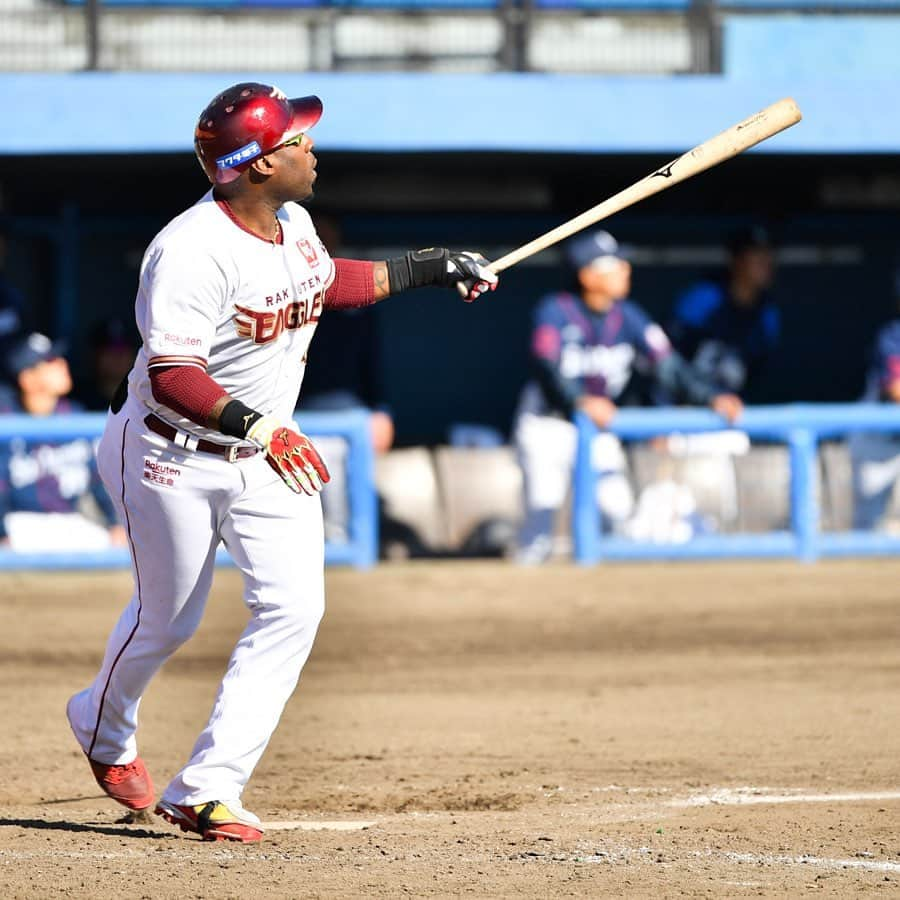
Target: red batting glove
[[295, 459], [291, 455]]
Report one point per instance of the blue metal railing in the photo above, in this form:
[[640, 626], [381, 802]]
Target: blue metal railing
[[247, 5], [801, 427], [431, 5], [360, 551]]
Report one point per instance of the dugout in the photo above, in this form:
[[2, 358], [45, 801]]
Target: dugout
[[81, 204]]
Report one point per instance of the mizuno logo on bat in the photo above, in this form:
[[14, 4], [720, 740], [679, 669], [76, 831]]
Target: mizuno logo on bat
[[666, 171]]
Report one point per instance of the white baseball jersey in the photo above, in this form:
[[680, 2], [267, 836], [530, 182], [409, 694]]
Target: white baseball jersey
[[216, 296]]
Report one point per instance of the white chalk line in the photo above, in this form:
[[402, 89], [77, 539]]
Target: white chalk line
[[307, 825], [869, 865], [622, 854], [640, 806], [740, 796], [649, 855], [748, 796]]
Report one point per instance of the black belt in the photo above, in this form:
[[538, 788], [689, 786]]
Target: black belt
[[231, 452]]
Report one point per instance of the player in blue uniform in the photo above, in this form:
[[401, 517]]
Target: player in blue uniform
[[876, 457], [730, 328], [44, 484], [585, 348]]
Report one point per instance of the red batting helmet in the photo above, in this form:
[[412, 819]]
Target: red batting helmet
[[246, 121]]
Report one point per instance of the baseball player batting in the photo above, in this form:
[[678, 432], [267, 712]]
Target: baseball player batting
[[199, 448]]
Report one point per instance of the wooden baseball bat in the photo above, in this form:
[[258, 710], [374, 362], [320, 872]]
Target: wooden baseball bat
[[704, 156]]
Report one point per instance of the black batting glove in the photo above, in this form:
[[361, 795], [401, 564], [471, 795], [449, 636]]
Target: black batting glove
[[465, 270], [470, 273]]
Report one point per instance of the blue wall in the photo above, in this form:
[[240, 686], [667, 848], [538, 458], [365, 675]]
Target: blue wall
[[829, 47], [156, 113]]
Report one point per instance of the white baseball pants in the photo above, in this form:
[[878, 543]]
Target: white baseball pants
[[177, 506], [876, 470], [546, 446]]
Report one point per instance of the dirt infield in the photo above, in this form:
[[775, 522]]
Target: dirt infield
[[717, 730]]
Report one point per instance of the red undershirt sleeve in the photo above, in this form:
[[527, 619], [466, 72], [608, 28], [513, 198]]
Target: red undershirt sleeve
[[190, 392], [353, 284], [186, 389]]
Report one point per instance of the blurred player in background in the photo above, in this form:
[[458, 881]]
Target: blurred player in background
[[585, 346], [730, 328], [344, 374], [200, 448], [51, 496], [12, 303], [111, 350], [876, 457]]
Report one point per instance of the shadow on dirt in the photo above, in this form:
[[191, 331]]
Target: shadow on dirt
[[112, 830], [64, 800]]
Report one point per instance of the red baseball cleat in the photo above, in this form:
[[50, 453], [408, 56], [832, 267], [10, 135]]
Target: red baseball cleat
[[129, 784], [213, 821]]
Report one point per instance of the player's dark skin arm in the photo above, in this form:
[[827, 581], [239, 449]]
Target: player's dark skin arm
[[213, 420], [382, 280]]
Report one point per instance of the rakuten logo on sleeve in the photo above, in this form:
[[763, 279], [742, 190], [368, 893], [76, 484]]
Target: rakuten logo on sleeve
[[182, 340]]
